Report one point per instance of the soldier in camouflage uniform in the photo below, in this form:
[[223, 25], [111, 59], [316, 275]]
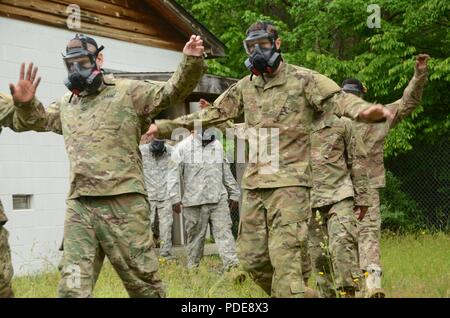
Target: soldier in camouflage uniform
[[340, 183], [276, 200], [208, 189], [373, 136], [158, 168], [6, 268], [102, 122]]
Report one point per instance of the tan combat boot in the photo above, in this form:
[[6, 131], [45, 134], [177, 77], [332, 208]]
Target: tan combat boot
[[373, 282]]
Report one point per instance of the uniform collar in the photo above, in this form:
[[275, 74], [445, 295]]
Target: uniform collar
[[278, 80]]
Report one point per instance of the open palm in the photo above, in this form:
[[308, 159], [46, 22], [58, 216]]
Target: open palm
[[25, 89]]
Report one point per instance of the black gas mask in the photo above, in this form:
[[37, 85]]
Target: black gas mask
[[158, 147], [263, 54], [207, 137], [84, 75]]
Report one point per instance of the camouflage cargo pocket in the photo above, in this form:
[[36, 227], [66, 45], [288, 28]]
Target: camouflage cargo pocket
[[293, 204]]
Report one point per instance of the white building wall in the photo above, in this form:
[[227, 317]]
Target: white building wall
[[36, 164]]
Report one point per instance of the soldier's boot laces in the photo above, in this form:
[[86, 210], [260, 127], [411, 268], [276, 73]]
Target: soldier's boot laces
[[373, 282]]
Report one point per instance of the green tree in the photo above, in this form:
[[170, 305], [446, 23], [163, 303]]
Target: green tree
[[332, 37]]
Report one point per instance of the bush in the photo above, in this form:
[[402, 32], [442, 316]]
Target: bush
[[399, 212]]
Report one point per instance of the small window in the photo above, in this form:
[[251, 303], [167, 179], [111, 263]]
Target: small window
[[22, 202]]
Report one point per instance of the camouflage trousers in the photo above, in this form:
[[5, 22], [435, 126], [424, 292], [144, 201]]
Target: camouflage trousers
[[197, 219], [273, 234], [118, 227], [6, 268], [165, 221], [333, 247], [370, 233]]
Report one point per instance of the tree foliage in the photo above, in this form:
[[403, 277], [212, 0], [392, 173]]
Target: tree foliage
[[332, 37]]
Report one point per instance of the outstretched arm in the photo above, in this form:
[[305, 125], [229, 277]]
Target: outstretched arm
[[227, 106], [412, 95], [151, 97], [325, 95]]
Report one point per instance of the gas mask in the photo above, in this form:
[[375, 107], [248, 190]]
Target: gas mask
[[207, 137], [158, 147], [263, 54], [84, 75]]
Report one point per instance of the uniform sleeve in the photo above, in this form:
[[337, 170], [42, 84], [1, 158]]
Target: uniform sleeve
[[151, 97], [319, 89], [173, 181], [145, 164], [411, 98], [356, 161], [348, 105], [6, 111], [230, 182], [33, 116], [227, 106], [323, 94]]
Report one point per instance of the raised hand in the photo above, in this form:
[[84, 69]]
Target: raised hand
[[421, 62], [194, 47], [25, 89]]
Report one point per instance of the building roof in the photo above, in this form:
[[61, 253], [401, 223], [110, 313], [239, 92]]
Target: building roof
[[156, 23]]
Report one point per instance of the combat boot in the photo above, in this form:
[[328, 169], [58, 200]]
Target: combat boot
[[373, 282]]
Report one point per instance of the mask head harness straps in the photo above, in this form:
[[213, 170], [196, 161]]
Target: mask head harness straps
[[83, 50]]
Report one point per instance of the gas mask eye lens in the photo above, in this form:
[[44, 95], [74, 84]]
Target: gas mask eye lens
[[83, 62]]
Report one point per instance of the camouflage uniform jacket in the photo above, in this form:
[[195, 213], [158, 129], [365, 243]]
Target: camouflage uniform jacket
[[285, 104], [374, 134], [157, 172], [205, 173], [6, 120], [102, 131], [338, 162]]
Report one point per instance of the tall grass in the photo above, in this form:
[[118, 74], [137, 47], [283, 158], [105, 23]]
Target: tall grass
[[414, 266]]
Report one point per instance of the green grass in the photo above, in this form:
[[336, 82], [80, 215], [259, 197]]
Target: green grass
[[414, 266], [417, 266]]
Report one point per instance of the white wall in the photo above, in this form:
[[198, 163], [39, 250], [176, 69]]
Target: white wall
[[37, 164]]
